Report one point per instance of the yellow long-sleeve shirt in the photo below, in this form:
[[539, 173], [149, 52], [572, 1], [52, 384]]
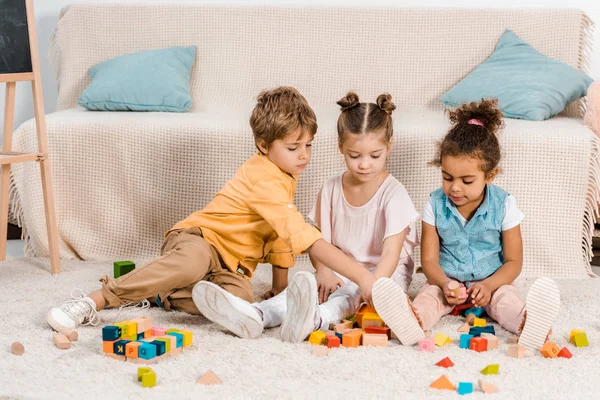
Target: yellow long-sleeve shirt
[[253, 218]]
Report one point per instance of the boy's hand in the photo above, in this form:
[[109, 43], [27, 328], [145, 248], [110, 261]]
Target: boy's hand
[[327, 282], [451, 298], [273, 292], [480, 293]]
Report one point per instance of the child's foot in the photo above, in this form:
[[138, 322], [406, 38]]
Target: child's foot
[[542, 305], [223, 308], [392, 305], [80, 310], [302, 315]]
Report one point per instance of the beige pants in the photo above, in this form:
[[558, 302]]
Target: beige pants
[[187, 258]]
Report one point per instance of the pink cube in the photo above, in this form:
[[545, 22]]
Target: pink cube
[[427, 344], [158, 331]]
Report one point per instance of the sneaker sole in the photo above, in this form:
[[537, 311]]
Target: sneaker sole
[[542, 305], [215, 305], [301, 307], [391, 303], [54, 324]]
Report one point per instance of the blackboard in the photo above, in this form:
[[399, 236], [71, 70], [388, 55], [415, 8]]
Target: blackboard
[[15, 56]]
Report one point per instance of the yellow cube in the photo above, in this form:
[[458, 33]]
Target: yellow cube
[[371, 319], [149, 379], [317, 338], [124, 326], [573, 333], [441, 340], [142, 371], [131, 327], [187, 337], [167, 343], [479, 322]]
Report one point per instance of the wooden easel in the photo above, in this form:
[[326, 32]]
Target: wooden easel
[[7, 157]]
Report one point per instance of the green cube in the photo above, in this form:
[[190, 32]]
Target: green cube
[[123, 267]]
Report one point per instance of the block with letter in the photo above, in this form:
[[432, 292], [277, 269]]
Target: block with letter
[[111, 332], [131, 349]]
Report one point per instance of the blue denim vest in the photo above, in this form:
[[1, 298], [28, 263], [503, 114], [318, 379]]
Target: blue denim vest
[[474, 251]]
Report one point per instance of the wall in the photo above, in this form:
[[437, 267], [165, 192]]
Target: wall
[[47, 15]]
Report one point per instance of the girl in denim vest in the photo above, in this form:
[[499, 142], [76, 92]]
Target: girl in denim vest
[[471, 239]]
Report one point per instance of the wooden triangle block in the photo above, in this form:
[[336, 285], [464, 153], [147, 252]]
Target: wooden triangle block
[[442, 383], [487, 387], [491, 369], [464, 328], [446, 363], [209, 378]]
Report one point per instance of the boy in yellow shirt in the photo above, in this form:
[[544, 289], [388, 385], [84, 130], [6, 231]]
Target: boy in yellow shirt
[[252, 219]]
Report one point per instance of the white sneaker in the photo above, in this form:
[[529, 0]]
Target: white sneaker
[[80, 310], [223, 308], [542, 305], [302, 317], [392, 305]]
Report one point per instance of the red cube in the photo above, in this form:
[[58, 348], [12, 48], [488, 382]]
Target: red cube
[[478, 344], [378, 329], [460, 308], [333, 341]]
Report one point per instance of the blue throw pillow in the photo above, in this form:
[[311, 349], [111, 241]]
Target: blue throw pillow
[[528, 84], [152, 80]]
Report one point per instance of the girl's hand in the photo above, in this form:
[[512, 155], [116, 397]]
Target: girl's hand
[[366, 288], [480, 293], [451, 298], [327, 282], [273, 292]]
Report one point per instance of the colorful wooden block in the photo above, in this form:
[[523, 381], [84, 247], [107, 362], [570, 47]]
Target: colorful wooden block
[[362, 310], [476, 311], [442, 383], [573, 333], [487, 387], [143, 324], [513, 340], [168, 342], [121, 268], [351, 339], [158, 331], [371, 319], [441, 340], [61, 341], [179, 338], [379, 329], [108, 346], [492, 340], [142, 371], [317, 338], [131, 349], [209, 378], [478, 344], [320, 351], [147, 351], [160, 347], [581, 340], [124, 329], [464, 328], [550, 350], [111, 333], [340, 335], [465, 341], [17, 348], [478, 330], [374, 339], [120, 346], [516, 350], [187, 337], [459, 309], [342, 326], [333, 341], [470, 318], [465, 388], [427, 344], [454, 288], [329, 332], [131, 327], [140, 335], [479, 322], [565, 353], [491, 369], [445, 363], [149, 379]]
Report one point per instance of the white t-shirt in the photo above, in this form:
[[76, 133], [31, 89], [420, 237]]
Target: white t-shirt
[[360, 231], [512, 215]]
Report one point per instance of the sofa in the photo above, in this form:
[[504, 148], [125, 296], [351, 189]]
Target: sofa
[[121, 179]]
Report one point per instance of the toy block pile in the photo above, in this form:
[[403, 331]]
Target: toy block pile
[[443, 383], [137, 341], [370, 331]]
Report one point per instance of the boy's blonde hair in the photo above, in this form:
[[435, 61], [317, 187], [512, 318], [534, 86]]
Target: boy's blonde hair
[[279, 112]]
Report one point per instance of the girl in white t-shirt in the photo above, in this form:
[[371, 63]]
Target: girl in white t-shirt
[[365, 212]]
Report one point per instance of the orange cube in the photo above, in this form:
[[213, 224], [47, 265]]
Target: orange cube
[[351, 339], [108, 346], [549, 350], [333, 341], [363, 309], [131, 349], [478, 344]]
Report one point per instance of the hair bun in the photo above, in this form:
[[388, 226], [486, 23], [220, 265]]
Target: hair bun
[[351, 100], [384, 101], [485, 113]]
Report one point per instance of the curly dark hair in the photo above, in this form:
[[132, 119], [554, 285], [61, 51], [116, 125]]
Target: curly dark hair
[[473, 134]]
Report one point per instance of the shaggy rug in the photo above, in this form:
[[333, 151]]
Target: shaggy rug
[[267, 367]]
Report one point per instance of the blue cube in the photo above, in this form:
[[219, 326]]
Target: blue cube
[[140, 335], [476, 311], [146, 351], [111, 333], [120, 346], [161, 347], [465, 388], [179, 336], [478, 330], [339, 335], [465, 339]]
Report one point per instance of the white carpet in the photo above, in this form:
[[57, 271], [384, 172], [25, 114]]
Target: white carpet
[[269, 368]]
